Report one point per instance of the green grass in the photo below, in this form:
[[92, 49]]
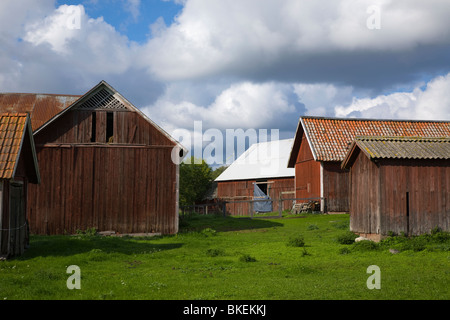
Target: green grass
[[232, 258]]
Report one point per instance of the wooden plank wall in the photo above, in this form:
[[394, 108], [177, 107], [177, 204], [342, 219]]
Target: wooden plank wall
[[13, 228], [399, 196], [418, 188], [307, 173], [243, 190], [126, 189], [336, 186], [127, 186], [364, 196], [76, 127]]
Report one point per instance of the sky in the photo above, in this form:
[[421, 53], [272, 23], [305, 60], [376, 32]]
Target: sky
[[247, 64]]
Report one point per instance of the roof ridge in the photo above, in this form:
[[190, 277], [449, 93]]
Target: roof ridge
[[370, 119], [43, 94], [402, 138]]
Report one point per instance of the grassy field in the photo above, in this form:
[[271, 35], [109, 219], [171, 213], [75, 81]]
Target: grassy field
[[229, 258]]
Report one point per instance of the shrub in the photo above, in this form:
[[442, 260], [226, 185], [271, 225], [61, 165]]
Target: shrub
[[305, 253], [214, 252], [365, 245], [346, 238], [247, 258], [208, 232], [344, 225], [89, 232], [297, 241], [312, 227]]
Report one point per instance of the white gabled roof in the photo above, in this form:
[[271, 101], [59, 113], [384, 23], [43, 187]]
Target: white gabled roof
[[261, 161]]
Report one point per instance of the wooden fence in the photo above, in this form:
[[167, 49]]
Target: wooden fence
[[230, 208]]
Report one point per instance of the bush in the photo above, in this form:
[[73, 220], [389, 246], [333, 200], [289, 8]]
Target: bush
[[312, 227], [247, 258], [365, 245], [214, 252], [297, 241], [347, 238], [208, 232]]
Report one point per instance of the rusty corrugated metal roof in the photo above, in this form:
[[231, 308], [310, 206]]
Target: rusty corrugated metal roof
[[40, 107], [12, 127], [330, 138]]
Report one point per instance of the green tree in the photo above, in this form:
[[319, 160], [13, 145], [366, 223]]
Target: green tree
[[218, 171], [195, 181]]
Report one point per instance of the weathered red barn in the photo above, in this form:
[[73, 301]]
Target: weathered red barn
[[104, 165], [18, 168], [263, 167], [399, 185], [321, 144]]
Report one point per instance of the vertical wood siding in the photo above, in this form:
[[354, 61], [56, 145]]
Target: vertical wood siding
[[307, 173], [336, 187], [127, 186], [123, 189], [407, 196], [243, 190]]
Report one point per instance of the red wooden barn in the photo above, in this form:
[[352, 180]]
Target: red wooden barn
[[263, 167], [103, 165], [399, 185], [321, 144], [18, 167]]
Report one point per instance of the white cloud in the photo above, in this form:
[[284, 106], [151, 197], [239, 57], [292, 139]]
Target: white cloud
[[320, 99], [207, 59], [212, 37], [92, 45], [429, 103], [241, 105], [133, 7]]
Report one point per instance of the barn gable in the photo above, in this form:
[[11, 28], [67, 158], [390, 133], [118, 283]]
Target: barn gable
[[97, 113], [104, 165]]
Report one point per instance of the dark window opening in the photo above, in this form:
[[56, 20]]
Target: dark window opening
[[262, 184], [109, 127], [94, 126]]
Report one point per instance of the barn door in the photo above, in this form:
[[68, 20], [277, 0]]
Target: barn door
[[17, 220], [261, 206]]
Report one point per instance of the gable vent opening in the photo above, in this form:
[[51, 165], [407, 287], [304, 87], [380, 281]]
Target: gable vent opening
[[103, 99]]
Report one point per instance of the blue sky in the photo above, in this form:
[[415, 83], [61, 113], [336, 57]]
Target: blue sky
[[132, 23], [247, 64]]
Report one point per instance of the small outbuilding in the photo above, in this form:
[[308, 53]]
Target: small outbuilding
[[398, 185], [321, 144], [260, 173], [18, 167]]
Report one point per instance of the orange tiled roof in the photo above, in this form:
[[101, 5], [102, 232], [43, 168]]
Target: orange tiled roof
[[12, 127], [330, 138]]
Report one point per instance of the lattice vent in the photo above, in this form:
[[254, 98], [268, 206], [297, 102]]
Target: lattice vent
[[103, 99]]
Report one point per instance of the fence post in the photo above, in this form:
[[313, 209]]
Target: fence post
[[224, 209], [280, 207]]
